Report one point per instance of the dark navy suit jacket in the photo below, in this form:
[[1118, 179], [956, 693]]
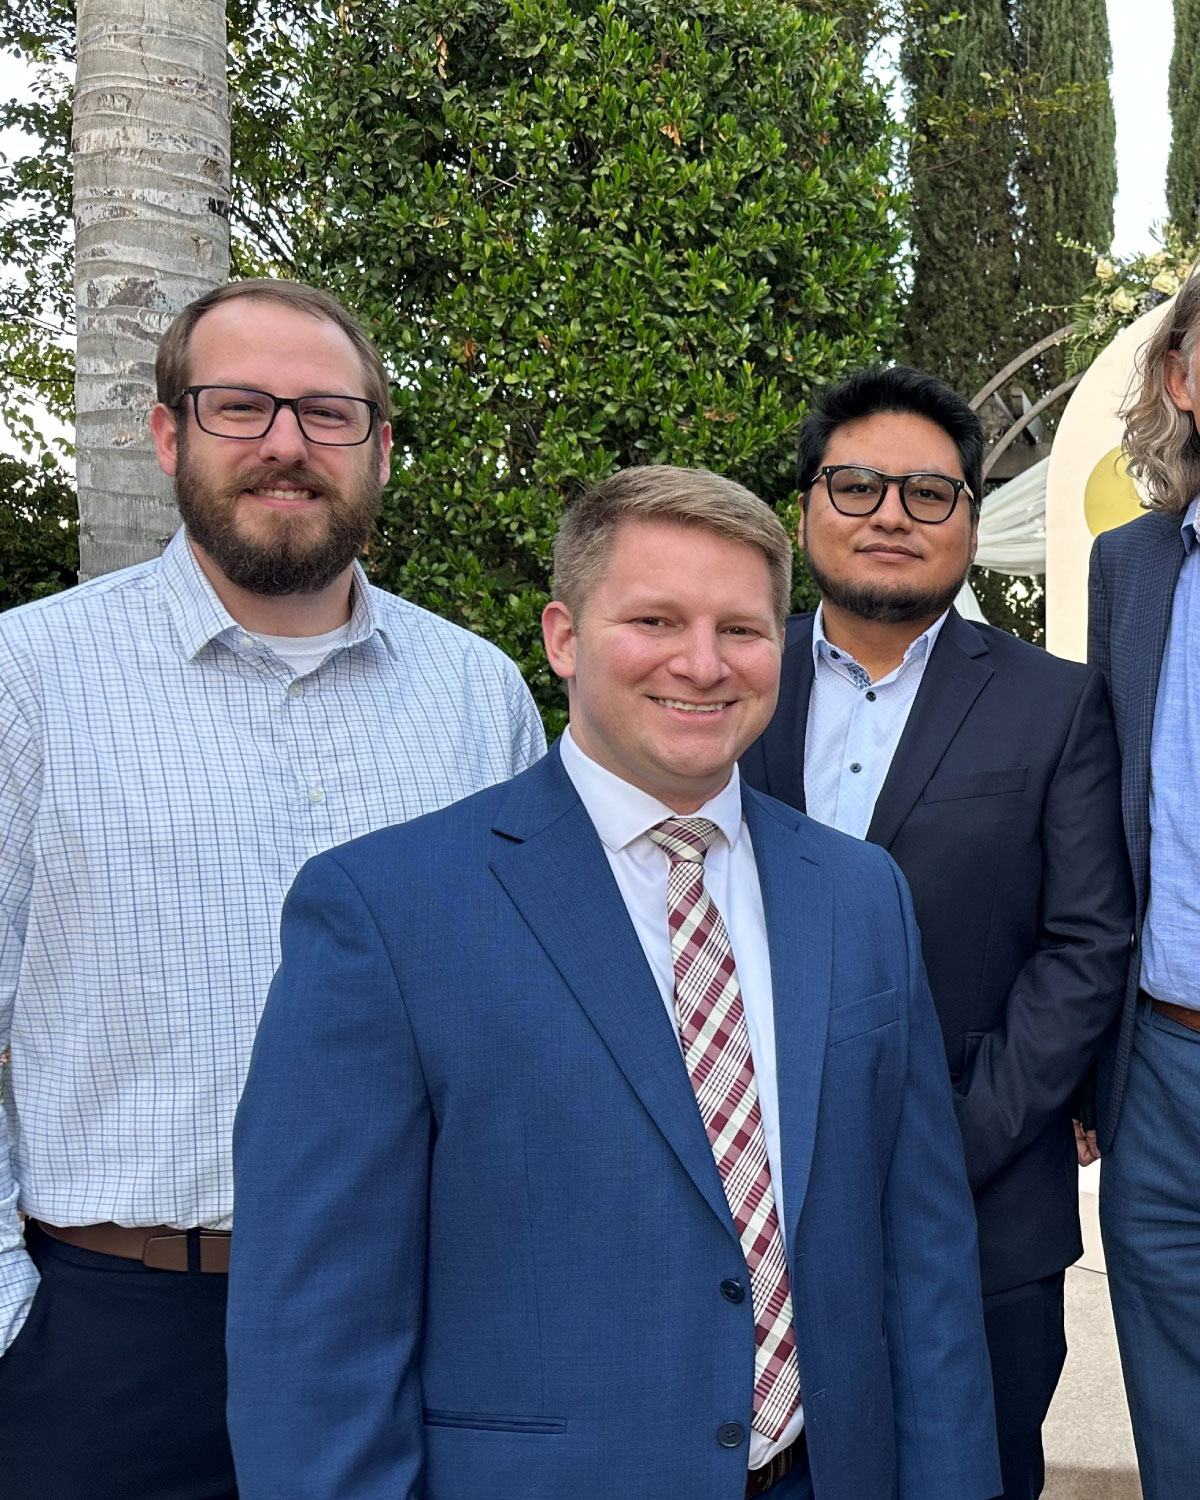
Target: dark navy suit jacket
[[482, 1248], [1131, 589], [1001, 808]]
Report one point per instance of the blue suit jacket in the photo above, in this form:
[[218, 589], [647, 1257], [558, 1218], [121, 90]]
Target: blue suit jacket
[[1131, 589], [1001, 806], [481, 1240]]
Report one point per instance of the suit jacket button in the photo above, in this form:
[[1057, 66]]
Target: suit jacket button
[[732, 1291], [731, 1434]]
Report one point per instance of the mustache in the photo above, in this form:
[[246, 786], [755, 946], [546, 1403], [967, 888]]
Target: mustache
[[271, 476]]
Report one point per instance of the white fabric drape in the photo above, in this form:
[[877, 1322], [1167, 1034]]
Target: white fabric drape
[[1012, 532]]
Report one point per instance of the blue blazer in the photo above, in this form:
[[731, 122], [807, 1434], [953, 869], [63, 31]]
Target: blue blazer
[[482, 1248], [1002, 808], [1131, 588]]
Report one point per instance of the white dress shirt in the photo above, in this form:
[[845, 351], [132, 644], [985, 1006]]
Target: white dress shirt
[[621, 814], [163, 776], [854, 726]]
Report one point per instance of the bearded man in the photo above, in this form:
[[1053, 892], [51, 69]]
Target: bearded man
[[988, 769], [176, 740]]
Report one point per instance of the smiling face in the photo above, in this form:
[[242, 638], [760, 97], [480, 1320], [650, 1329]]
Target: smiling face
[[886, 566], [672, 664], [278, 514]]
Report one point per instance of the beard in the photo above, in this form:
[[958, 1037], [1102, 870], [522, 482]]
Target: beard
[[296, 554], [894, 605]]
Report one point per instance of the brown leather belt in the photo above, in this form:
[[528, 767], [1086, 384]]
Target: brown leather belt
[[159, 1247], [1181, 1013], [759, 1481]]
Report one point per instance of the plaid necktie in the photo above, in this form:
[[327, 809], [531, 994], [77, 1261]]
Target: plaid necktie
[[716, 1048]]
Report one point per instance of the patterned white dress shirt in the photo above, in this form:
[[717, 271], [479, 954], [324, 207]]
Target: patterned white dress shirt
[[854, 726], [163, 776]]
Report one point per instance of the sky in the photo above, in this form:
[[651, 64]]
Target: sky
[[1142, 36]]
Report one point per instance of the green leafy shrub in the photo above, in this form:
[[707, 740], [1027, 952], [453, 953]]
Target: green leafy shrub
[[585, 236], [39, 530]]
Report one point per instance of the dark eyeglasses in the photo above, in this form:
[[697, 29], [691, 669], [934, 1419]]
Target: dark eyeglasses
[[857, 491], [230, 412]]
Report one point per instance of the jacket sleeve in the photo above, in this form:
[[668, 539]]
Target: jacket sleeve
[[1069, 991], [331, 1165], [933, 1313]]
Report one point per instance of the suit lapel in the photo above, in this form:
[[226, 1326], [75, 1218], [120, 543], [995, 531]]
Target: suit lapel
[[552, 864], [783, 741], [1160, 560], [954, 677], [799, 917]]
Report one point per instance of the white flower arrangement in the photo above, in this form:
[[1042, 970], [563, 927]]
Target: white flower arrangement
[[1123, 289]]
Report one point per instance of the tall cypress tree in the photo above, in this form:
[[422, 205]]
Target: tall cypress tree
[[1066, 169], [1183, 164], [966, 285]]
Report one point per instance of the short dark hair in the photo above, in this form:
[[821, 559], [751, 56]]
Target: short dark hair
[[899, 388], [171, 365]]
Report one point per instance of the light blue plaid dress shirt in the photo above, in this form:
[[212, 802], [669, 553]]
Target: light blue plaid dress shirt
[[1169, 966], [163, 776]]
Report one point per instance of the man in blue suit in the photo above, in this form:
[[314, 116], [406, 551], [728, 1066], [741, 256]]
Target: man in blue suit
[[1144, 624], [597, 1141]]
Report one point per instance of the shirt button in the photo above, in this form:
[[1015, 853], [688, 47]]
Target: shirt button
[[731, 1434], [316, 794], [836, 655], [246, 640], [732, 1291], [870, 697], [855, 767], [296, 689]]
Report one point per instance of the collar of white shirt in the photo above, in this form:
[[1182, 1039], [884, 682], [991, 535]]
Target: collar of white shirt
[[918, 650], [199, 616], [622, 812]]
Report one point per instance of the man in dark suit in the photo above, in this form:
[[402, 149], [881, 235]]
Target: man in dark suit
[[1143, 628], [988, 770], [597, 1141]]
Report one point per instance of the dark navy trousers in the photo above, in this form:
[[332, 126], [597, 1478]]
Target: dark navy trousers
[[114, 1389]]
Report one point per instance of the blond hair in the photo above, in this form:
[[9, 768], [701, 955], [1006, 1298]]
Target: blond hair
[[1160, 441], [171, 364], [682, 497]]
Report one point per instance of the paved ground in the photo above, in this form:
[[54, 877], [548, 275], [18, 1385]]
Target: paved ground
[[1089, 1445]]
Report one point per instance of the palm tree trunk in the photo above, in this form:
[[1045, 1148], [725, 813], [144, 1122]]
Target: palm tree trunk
[[151, 155]]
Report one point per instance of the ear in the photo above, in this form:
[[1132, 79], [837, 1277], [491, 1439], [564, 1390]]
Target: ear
[[165, 433], [1175, 378], [558, 632], [385, 449], [802, 533], [974, 538]]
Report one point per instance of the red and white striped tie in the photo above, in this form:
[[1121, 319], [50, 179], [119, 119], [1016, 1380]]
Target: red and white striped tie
[[716, 1049]]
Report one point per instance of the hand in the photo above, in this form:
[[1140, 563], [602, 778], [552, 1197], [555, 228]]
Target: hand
[[1085, 1145]]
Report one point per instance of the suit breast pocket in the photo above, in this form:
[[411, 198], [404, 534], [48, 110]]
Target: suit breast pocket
[[858, 1017], [976, 784]]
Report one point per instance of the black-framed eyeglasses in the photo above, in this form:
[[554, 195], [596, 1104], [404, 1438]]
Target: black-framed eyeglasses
[[231, 412], [858, 491]]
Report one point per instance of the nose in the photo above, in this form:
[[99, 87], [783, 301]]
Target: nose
[[700, 658], [891, 515], [283, 442]]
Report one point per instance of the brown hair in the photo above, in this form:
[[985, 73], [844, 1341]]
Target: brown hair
[[683, 497], [1160, 441], [171, 365]]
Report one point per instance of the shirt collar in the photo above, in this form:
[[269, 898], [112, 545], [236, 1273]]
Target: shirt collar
[[199, 616], [918, 650], [622, 812], [1188, 527]]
